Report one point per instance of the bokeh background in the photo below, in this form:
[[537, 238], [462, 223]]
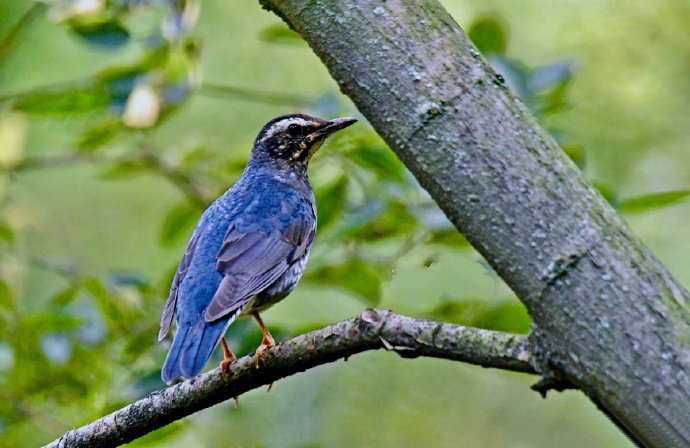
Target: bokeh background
[[121, 120]]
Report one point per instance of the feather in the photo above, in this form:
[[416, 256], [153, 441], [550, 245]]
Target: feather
[[169, 310], [250, 262]]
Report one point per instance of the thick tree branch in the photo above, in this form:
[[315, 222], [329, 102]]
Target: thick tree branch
[[372, 330], [607, 315]]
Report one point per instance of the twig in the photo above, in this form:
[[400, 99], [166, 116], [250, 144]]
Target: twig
[[11, 37], [184, 182], [372, 330], [211, 89]]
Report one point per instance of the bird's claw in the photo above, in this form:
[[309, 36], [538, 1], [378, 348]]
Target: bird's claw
[[259, 352], [266, 343], [225, 367]]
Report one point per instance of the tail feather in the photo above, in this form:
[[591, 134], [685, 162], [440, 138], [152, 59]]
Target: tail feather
[[192, 347], [171, 368]]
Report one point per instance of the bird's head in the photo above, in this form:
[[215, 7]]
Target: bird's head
[[292, 139]]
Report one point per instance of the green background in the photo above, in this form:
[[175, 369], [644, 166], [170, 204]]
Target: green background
[[89, 246]]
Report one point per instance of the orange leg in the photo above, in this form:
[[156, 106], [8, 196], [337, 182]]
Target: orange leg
[[267, 341], [228, 358]]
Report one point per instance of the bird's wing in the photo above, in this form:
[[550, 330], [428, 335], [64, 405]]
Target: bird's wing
[[250, 261], [169, 310]]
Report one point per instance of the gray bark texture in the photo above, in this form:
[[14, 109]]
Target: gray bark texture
[[372, 330], [607, 316]]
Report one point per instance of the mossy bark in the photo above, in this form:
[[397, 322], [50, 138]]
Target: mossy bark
[[607, 315]]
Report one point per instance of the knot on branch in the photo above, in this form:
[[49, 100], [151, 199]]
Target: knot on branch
[[542, 360]]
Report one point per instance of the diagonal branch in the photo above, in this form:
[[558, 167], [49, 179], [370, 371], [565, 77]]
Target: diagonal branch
[[606, 314], [245, 93], [10, 38], [372, 330]]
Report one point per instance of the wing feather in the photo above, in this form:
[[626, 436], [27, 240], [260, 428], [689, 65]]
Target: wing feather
[[251, 261], [169, 310]]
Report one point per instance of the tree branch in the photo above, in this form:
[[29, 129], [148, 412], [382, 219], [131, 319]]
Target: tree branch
[[606, 314], [372, 330], [248, 94], [184, 182]]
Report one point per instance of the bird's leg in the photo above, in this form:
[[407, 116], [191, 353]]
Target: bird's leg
[[267, 341], [228, 358]]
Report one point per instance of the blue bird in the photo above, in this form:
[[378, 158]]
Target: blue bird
[[249, 248]]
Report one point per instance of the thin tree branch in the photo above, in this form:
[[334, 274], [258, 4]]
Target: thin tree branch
[[248, 94], [372, 330], [181, 180], [206, 89], [53, 161]]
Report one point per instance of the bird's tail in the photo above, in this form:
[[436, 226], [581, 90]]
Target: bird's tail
[[192, 346]]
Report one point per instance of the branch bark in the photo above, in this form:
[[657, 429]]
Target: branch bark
[[372, 330], [607, 315]]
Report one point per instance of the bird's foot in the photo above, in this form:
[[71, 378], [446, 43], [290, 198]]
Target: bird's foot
[[267, 342], [228, 358]]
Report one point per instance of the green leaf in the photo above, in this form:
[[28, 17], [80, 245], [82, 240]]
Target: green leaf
[[608, 193], [177, 223], [196, 156], [551, 76], [110, 34], [119, 82], [97, 288], [510, 317], [391, 219], [381, 161], [331, 200], [449, 237], [577, 154], [66, 296], [126, 169], [488, 35], [6, 299], [66, 102], [551, 101], [44, 322], [652, 201], [279, 33], [505, 316], [6, 232], [139, 342], [98, 135], [128, 278], [355, 275]]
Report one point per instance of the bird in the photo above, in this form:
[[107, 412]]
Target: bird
[[249, 248]]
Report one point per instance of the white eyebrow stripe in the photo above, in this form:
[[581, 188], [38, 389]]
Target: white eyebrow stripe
[[282, 125]]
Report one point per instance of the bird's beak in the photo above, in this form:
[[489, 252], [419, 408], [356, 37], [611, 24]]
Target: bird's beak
[[331, 126]]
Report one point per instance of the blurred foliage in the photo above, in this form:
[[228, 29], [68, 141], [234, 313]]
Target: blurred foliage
[[114, 144]]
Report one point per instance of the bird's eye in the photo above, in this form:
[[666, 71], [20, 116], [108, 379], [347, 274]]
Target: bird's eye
[[294, 130]]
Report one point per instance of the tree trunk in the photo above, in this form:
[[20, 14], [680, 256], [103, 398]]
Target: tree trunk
[[607, 316]]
